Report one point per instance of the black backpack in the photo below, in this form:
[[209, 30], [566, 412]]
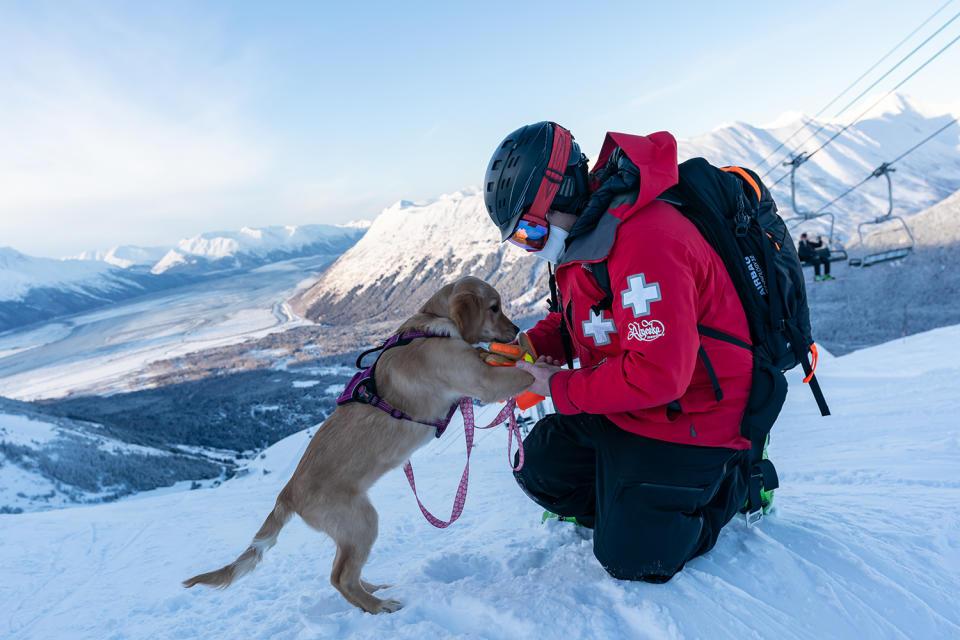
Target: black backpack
[[736, 214]]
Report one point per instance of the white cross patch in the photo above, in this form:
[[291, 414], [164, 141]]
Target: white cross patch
[[598, 328], [640, 295]]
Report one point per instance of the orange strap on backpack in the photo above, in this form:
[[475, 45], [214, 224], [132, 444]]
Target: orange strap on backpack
[[813, 363], [740, 171]]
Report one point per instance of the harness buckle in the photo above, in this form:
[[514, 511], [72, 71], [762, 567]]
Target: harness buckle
[[753, 517], [364, 395]]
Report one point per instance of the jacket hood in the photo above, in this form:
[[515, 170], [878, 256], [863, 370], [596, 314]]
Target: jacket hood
[[653, 161], [655, 155]]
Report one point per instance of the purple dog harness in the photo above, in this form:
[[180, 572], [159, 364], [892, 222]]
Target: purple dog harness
[[362, 388]]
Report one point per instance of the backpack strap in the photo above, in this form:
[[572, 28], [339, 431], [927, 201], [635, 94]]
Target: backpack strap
[[722, 336], [810, 378], [555, 307], [741, 173], [602, 277], [717, 391]]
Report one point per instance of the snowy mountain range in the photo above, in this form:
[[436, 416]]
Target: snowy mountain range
[[33, 289], [126, 256], [409, 250], [412, 248], [924, 177], [252, 247]]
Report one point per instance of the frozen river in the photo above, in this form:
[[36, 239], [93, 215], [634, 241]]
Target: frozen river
[[106, 347]]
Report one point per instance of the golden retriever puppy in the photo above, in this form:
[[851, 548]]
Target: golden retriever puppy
[[358, 443]]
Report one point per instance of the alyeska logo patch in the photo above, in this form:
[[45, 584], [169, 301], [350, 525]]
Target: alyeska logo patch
[[646, 330]]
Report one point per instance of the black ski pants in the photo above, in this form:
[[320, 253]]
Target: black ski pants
[[819, 257], [653, 505]]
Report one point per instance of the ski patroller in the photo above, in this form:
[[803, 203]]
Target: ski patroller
[[734, 211]]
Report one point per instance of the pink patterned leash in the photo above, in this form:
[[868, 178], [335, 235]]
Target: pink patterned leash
[[466, 408]]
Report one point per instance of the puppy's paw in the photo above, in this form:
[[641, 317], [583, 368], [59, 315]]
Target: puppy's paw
[[389, 605], [370, 588]]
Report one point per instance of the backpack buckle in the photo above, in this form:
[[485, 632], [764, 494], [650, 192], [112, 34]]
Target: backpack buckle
[[753, 517], [743, 225]]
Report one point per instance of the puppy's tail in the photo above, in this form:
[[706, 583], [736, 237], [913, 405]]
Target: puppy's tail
[[266, 537]]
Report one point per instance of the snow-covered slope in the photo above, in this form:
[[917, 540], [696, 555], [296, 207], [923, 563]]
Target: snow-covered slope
[[33, 289], [413, 248], [938, 226], [126, 256], [862, 544], [48, 462], [921, 179], [20, 273], [250, 246]]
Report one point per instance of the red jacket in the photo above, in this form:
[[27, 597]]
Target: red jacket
[[666, 279]]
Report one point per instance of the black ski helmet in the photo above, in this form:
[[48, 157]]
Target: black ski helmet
[[519, 167]]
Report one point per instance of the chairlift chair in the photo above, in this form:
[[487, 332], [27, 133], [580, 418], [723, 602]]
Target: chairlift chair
[[897, 250], [837, 252]]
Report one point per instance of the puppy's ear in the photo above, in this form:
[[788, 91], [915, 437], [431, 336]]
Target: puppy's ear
[[466, 311], [439, 303]]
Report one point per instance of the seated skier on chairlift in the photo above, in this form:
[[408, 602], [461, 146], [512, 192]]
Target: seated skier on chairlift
[[813, 252]]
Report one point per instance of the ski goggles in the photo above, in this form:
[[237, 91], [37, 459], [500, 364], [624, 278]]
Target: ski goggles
[[532, 227], [530, 234]]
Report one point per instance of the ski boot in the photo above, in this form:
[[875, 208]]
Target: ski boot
[[766, 495], [549, 515]]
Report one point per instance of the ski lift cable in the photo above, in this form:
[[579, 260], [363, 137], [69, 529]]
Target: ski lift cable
[[763, 161], [882, 98], [894, 67], [886, 165], [806, 156], [925, 140], [875, 83], [803, 157]]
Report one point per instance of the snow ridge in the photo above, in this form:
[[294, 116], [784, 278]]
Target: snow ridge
[[923, 178], [19, 273]]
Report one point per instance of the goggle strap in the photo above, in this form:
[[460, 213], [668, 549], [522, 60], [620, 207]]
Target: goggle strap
[[555, 167]]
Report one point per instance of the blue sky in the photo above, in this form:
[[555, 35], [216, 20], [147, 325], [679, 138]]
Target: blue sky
[[144, 122]]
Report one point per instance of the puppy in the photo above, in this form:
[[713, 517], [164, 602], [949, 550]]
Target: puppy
[[358, 443]]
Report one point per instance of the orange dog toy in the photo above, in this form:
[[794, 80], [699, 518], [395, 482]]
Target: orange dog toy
[[507, 355]]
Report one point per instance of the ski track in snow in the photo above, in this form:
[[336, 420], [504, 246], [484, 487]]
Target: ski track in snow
[[863, 543]]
